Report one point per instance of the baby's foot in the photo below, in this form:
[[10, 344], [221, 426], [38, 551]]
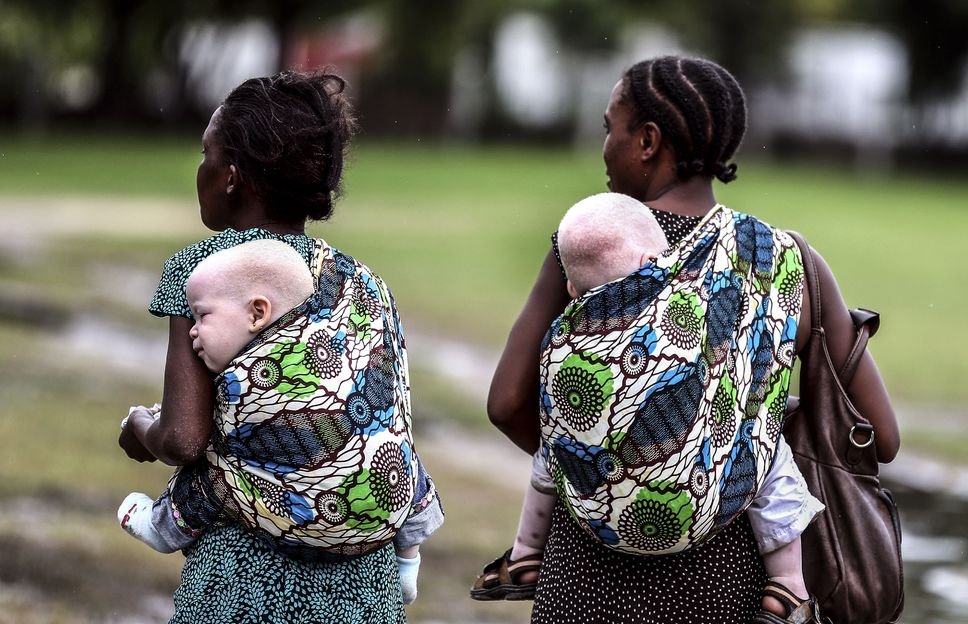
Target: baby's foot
[[134, 514], [783, 595], [409, 568], [528, 574]]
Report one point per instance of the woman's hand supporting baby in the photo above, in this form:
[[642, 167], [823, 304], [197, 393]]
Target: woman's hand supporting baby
[[138, 416]]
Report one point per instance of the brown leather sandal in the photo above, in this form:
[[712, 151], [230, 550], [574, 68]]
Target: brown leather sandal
[[798, 611], [500, 579]]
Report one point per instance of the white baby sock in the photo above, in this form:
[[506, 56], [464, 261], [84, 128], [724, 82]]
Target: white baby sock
[[134, 514], [408, 577]]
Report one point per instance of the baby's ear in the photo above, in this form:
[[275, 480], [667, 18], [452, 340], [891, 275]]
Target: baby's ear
[[571, 290], [260, 311]]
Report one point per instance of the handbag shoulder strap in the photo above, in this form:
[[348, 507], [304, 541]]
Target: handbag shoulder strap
[[865, 321]]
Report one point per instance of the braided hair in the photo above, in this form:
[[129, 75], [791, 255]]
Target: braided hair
[[288, 135], [698, 106]]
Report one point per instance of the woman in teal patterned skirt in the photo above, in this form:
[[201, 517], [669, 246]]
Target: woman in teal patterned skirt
[[272, 160]]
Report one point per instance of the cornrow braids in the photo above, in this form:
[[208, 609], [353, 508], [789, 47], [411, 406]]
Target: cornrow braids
[[737, 109], [716, 99], [696, 114], [698, 106], [648, 88], [288, 135]]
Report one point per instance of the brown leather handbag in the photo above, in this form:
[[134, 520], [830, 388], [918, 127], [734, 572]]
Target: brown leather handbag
[[852, 551]]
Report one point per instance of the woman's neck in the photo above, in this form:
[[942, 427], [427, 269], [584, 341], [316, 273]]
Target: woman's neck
[[692, 198], [253, 214]]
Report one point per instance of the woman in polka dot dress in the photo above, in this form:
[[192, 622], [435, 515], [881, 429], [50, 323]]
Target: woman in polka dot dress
[[672, 125]]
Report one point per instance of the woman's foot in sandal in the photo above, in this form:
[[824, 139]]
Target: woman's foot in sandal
[[507, 579], [783, 606]]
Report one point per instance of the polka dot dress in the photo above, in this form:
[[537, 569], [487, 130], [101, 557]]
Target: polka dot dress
[[674, 226], [585, 582], [170, 299]]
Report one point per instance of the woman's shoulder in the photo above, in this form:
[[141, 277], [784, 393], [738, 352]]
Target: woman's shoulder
[[194, 253], [169, 299], [754, 225], [350, 265]]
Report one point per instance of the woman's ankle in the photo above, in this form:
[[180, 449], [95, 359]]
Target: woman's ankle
[[794, 585]]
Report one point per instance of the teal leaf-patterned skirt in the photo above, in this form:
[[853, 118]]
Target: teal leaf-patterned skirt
[[232, 576]]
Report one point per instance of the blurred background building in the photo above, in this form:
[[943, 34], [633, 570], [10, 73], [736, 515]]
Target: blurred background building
[[872, 82]]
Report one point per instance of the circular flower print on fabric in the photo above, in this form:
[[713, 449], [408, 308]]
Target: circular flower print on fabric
[[324, 360], [786, 352], [656, 521], [774, 416], [273, 496], [633, 359], [582, 389], [681, 321], [333, 508], [698, 481], [560, 331], [265, 373], [391, 487], [610, 467], [724, 414], [789, 282], [358, 410]]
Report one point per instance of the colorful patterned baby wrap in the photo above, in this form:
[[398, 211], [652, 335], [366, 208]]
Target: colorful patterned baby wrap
[[312, 440], [662, 393]]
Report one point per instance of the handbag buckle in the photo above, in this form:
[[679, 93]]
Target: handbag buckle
[[863, 427]]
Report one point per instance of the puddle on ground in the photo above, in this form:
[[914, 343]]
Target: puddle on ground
[[935, 551]]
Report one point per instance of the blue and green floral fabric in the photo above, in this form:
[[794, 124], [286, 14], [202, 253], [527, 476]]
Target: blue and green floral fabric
[[662, 394], [312, 439]]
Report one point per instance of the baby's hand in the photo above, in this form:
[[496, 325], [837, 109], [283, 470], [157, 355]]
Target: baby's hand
[[139, 412], [133, 447]]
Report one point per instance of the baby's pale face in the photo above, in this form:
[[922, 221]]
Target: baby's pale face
[[222, 323]]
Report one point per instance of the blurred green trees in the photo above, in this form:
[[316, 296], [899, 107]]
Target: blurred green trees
[[104, 59]]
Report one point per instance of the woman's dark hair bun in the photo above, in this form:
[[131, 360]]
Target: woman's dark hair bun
[[288, 135]]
